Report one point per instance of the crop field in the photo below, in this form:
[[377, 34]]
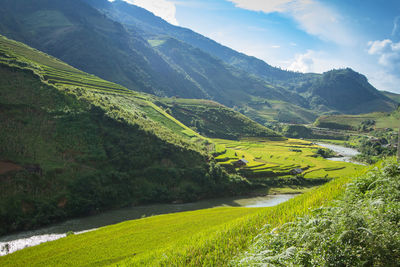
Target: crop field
[[382, 119], [117, 242], [210, 237], [66, 77], [269, 158]]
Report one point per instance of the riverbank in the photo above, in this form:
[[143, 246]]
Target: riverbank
[[21, 240]]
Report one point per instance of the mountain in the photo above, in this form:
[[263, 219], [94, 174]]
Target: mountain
[[130, 46], [322, 92], [214, 120], [393, 96], [73, 144]]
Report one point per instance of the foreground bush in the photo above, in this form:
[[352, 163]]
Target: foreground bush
[[360, 229]]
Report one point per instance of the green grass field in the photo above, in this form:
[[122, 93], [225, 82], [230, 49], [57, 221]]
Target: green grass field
[[208, 237], [117, 242], [105, 93], [383, 120], [276, 158]]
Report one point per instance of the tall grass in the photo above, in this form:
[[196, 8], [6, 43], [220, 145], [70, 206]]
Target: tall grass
[[217, 247]]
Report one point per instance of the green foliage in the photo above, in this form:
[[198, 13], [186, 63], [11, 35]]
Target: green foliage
[[130, 46], [211, 237], [363, 122], [360, 229], [272, 162], [297, 131], [214, 120], [83, 145], [114, 243]]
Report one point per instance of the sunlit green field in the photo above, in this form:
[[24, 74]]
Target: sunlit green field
[[382, 119], [117, 242], [210, 237], [276, 158]]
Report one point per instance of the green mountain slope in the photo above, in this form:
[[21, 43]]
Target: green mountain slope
[[394, 96], [322, 93], [214, 120], [84, 38], [73, 144], [347, 91], [376, 120], [132, 47]]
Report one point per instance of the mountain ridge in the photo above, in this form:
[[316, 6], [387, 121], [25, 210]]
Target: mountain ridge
[[152, 56]]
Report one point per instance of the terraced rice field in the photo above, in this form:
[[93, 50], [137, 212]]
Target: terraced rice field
[[279, 158], [66, 77]]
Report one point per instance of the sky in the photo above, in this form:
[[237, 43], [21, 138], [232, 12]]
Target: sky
[[300, 35]]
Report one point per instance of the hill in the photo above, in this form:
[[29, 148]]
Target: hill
[[377, 120], [74, 144], [214, 120], [393, 96], [320, 93], [130, 46]]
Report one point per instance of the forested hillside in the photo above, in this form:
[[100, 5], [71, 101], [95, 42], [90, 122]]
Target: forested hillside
[[130, 46], [73, 144]]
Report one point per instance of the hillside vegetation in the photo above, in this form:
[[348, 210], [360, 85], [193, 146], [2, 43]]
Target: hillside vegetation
[[129, 45], [78, 144], [343, 91], [210, 237], [376, 120], [273, 162], [360, 229], [214, 120]]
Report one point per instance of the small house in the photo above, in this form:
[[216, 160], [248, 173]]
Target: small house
[[241, 162], [296, 171]]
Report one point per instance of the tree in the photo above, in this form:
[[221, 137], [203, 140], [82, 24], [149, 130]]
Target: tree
[[398, 146]]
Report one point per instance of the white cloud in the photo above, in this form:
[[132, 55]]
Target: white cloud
[[388, 53], [315, 61], [275, 46], [162, 8], [313, 17], [303, 62]]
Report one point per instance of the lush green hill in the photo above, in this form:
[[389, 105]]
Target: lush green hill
[[361, 229], [349, 92], [213, 120], [376, 120], [394, 96], [211, 237], [147, 54], [84, 38], [73, 144], [343, 91]]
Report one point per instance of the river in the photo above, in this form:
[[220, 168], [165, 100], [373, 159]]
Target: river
[[346, 152], [21, 240]]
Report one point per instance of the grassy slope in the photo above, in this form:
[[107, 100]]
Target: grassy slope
[[382, 119], [268, 159], [214, 120], [394, 96], [97, 144], [117, 242], [64, 76], [207, 237]]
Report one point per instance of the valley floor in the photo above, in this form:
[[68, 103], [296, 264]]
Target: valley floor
[[208, 237]]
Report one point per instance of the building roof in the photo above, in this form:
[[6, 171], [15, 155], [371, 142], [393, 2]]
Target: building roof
[[243, 160]]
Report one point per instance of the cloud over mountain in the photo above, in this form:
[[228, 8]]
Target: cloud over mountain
[[313, 17]]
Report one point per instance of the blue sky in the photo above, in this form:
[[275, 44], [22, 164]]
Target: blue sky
[[300, 35]]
